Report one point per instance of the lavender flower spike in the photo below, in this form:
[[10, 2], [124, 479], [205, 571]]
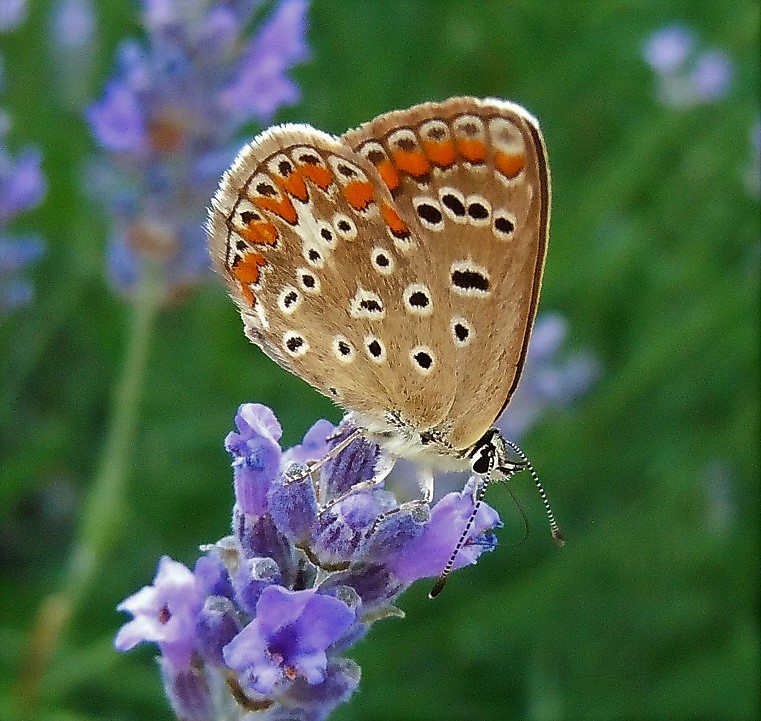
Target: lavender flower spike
[[171, 118], [22, 187], [268, 611]]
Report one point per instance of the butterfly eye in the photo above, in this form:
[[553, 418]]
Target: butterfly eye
[[483, 460]]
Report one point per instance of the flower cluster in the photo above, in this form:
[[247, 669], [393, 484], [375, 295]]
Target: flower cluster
[[314, 559], [170, 120], [22, 187], [687, 76]]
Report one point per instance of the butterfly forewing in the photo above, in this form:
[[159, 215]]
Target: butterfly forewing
[[313, 250], [397, 268], [472, 176]]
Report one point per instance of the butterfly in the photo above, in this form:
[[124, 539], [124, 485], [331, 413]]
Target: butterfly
[[397, 269]]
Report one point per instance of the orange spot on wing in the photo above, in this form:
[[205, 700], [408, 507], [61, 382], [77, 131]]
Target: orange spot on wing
[[441, 154], [259, 233], [412, 162], [398, 227], [246, 270], [388, 174], [359, 194], [320, 176], [472, 150], [509, 164], [283, 208], [294, 185]]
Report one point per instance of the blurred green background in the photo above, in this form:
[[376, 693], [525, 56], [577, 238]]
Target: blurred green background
[[651, 609]]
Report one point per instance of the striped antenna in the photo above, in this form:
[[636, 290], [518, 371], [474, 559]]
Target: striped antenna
[[557, 534], [508, 473], [442, 579]]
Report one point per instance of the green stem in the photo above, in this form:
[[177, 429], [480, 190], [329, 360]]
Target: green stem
[[102, 515], [100, 524]]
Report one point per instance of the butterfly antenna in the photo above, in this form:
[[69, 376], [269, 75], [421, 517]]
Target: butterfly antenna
[[442, 579], [522, 511], [557, 534]]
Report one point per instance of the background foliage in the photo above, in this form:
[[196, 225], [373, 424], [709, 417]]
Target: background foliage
[[650, 611]]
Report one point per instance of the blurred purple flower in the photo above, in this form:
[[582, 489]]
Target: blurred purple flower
[[268, 610], [667, 49], [551, 378], [170, 120], [73, 23], [12, 14], [712, 75], [686, 77], [22, 186]]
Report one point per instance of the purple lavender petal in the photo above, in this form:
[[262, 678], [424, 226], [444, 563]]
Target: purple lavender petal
[[73, 23], [396, 533], [428, 556], [22, 185], [373, 582], [293, 506], [251, 578], [18, 252], [164, 613], [216, 625], [354, 464], [212, 576], [260, 537], [261, 85], [117, 121], [220, 31], [289, 636], [343, 526], [256, 456], [188, 691], [161, 13], [161, 119], [314, 447], [341, 679]]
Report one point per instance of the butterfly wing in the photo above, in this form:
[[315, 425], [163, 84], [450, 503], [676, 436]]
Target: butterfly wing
[[316, 255], [471, 177]]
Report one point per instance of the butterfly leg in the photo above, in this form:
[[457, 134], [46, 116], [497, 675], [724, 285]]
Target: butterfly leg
[[382, 469], [332, 453], [425, 481]]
